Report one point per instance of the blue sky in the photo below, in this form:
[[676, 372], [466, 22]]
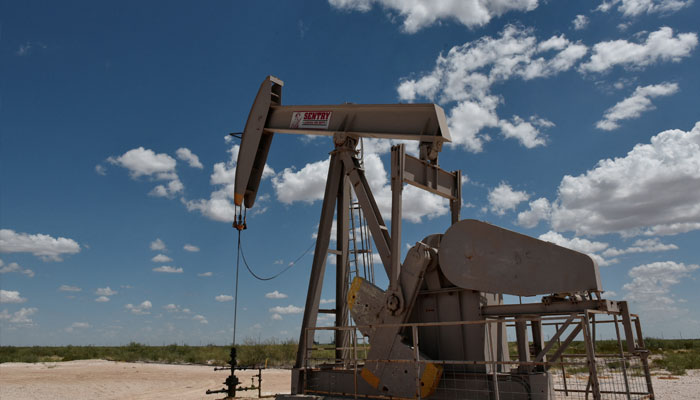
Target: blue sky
[[574, 121]]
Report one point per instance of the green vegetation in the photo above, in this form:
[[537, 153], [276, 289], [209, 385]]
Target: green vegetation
[[674, 355], [250, 353]]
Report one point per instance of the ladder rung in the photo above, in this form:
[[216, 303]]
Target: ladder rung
[[336, 252], [327, 310]]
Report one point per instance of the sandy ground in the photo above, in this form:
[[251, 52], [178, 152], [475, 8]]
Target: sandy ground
[[99, 379]]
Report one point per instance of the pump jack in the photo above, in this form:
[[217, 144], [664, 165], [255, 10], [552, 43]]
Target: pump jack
[[446, 279]]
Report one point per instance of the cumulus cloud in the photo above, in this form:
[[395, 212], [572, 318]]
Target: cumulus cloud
[[11, 296], [68, 288], [168, 269], [418, 14], [184, 154], [464, 77], [223, 298], [102, 299], [641, 246], [580, 22], [651, 284], [77, 325], [276, 295], [201, 319], [100, 169], [634, 8], [327, 301], [141, 309], [527, 133], [43, 246], [161, 258], [503, 198], [205, 274], [633, 106], [659, 46], [540, 209], [219, 205], [21, 317], [589, 247], [158, 245], [191, 248], [145, 162], [276, 317], [308, 185], [290, 309], [107, 291], [653, 190], [14, 267]]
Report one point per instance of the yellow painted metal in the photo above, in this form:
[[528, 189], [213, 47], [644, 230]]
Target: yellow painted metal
[[430, 379], [370, 377], [352, 293]]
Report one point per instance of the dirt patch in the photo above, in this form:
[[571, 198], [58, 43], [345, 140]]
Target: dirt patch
[[99, 379]]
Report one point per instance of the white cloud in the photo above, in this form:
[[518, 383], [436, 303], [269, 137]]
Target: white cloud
[[651, 284], [540, 209], [68, 288], [145, 162], [417, 203], [290, 309], [205, 274], [503, 198], [635, 105], [141, 309], [11, 296], [653, 190], [184, 154], [641, 246], [100, 169], [583, 245], [276, 317], [219, 205], [169, 190], [418, 14], [466, 73], [276, 295], [105, 291], [223, 297], [168, 269], [171, 308], [40, 245], [634, 8], [527, 133], [661, 45], [14, 267], [102, 299], [305, 185], [157, 245], [161, 258], [191, 248], [327, 301], [580, 22], [77, 325], [21, 317], [201, 319]]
